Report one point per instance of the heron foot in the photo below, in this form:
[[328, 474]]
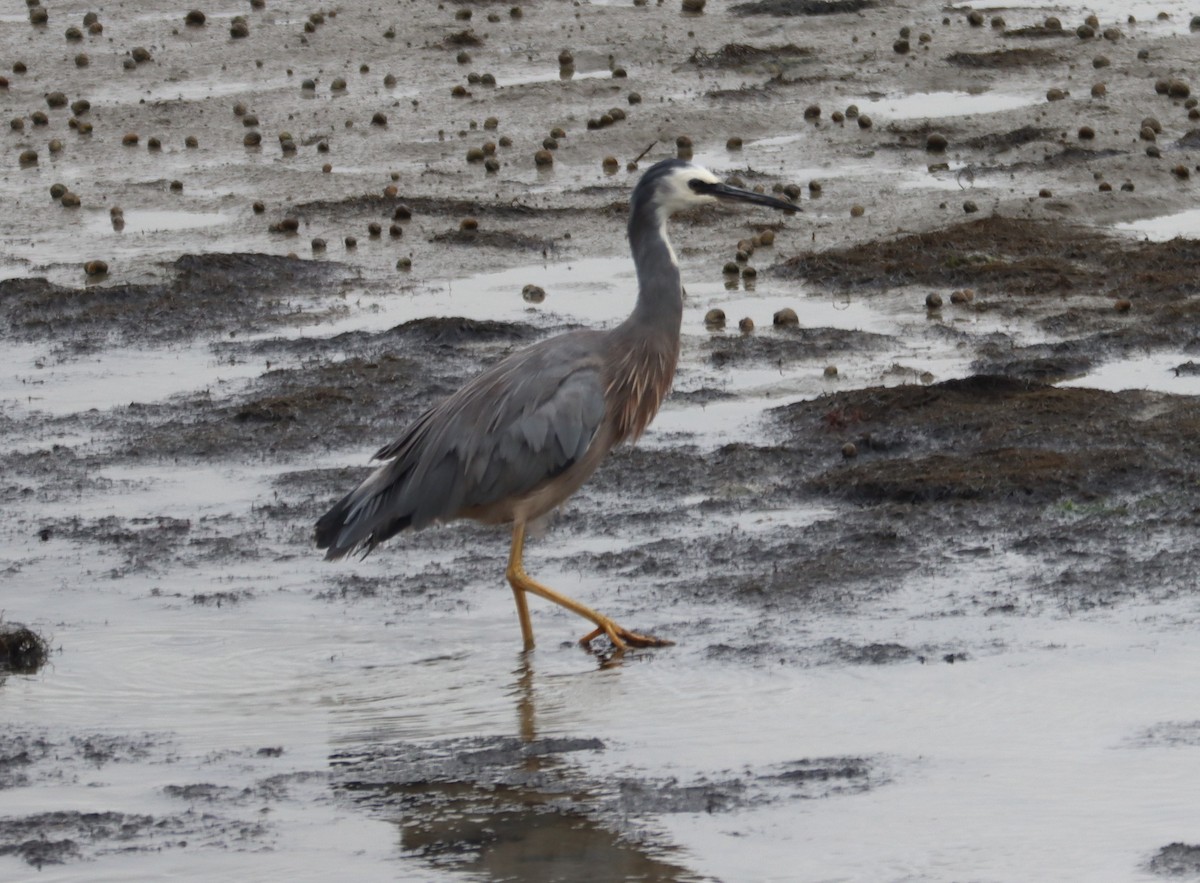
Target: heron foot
[[623, 637]]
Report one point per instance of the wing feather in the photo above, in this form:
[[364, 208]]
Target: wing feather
[[503, 435]]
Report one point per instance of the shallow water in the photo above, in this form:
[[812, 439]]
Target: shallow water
[[967, 765]]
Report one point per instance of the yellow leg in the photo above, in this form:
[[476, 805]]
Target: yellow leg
[[514, 566], [521, 583]]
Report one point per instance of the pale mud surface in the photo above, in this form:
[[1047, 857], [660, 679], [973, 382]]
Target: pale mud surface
[[960, 649]]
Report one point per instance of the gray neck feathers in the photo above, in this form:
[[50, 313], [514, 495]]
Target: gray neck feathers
[[660, 295]]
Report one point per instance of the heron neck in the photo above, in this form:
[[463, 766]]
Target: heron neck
[[659, 305]]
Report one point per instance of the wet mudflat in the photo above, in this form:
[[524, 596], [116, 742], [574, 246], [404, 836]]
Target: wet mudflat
[[930, 554]]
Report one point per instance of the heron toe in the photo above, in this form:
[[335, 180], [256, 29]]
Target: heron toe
[[623, 637]]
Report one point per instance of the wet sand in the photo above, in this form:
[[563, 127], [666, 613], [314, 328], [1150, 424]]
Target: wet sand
[[929, 555]]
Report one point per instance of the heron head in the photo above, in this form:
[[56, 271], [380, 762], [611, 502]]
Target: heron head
[[674, 185]]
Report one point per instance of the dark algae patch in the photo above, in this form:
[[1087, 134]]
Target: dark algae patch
[[210, 293], [988, 437], [22, 650]]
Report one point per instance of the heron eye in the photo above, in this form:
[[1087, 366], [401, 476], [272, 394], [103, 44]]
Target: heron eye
[[696, 185]]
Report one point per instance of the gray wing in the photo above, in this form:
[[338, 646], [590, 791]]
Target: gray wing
[[503, 435]]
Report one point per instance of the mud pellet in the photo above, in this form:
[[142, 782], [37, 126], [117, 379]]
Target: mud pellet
[[933, 301], [543, 158], [849, 450], [195, 18], [714, 319], [533, 294], [318, 244], [785, 318], [95, 268], [746, 325]]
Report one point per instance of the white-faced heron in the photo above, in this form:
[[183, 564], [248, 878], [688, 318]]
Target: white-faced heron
[[520, 438]]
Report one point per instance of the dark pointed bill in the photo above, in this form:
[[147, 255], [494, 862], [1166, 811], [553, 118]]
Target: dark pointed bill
[[725, 191]]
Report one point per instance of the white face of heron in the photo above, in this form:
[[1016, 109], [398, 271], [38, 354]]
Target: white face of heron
[[675, 195]]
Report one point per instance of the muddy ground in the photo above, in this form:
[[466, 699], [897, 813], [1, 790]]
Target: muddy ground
[[1001, 252]]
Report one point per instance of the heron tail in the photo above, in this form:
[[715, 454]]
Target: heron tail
[[362, 519]]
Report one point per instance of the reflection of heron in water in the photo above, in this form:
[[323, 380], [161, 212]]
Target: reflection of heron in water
[[505, 808], [522, 437]]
